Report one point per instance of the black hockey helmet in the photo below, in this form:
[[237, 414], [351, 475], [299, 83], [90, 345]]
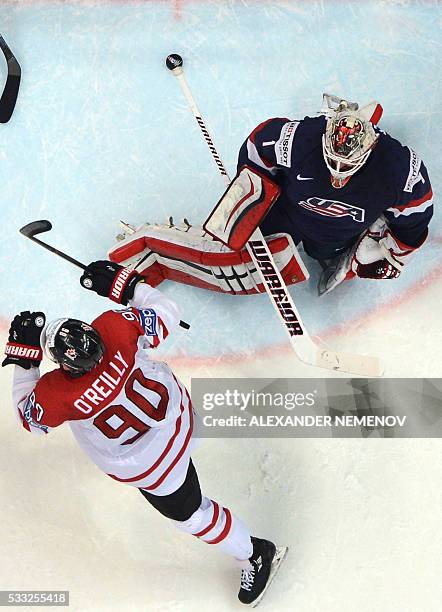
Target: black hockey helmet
[[73, 344]]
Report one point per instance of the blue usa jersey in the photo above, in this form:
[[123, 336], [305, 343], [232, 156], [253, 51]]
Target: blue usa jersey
[[393, 182]]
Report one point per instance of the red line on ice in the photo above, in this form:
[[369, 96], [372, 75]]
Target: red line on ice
[[420, 286]]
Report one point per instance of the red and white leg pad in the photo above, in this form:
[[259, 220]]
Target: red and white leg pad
[[190, 256]]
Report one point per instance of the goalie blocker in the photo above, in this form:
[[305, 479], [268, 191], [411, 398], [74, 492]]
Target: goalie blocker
[[242, 208], [191, 256]]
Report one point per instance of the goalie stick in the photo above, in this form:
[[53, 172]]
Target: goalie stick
[[10, 92], [38, 227], [303, 345]]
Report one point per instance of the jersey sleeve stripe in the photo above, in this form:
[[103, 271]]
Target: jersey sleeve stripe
[[258, 129], [154, 341], [414, 206], [254, 156], [163, 329]]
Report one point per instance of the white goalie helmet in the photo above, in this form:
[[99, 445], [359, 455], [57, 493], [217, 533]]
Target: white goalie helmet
[[349, 136]]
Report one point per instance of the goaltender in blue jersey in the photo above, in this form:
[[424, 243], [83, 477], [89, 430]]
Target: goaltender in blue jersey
[[357, 200], [347, 188]]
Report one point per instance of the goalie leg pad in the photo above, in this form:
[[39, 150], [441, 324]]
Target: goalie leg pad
[[188, 255]]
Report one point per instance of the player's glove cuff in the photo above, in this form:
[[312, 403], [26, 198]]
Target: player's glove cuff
[[22, 355], [123, 287], [111, 280]]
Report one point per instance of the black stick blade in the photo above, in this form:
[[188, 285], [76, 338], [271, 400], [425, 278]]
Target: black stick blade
[[10, 93], [36, 227]]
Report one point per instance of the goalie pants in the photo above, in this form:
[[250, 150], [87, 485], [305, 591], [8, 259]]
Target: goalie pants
[[204, 518]]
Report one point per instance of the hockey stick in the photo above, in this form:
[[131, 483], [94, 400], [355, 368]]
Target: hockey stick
[[10, 93], [302, 344], [38, 227]]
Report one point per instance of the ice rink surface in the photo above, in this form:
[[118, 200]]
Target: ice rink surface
[[101, 133]]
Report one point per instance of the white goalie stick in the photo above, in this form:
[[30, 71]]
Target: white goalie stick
[[303, 345]]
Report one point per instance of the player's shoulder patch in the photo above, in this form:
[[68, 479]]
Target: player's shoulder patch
[[308, 133], [33, 413], [414, 171], [283, 146], [148, 321]]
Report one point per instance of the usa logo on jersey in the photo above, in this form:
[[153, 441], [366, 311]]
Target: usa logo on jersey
[[148, 319], [333, 208]]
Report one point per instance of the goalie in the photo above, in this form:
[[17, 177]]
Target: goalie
[[358, 201]]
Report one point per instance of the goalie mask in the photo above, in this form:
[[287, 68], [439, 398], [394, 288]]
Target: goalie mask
[[349, 137], [74, 345]]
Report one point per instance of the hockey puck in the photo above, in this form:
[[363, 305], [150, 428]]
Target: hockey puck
[[174, 61]]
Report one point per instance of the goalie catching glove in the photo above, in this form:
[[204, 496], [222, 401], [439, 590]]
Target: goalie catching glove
[[377, 255], [111, 280], [379, 258], [23, 346]]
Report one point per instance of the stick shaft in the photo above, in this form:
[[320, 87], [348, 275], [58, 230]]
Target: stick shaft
[[274, 284], [257, 246], [178, 72], [52, 249], [77, 263]]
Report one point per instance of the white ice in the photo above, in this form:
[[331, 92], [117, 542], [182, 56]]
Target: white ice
[[101, 133]]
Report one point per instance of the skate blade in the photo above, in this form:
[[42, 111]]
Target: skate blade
[[279, 557]]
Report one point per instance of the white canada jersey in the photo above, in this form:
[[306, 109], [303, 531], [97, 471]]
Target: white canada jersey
[[130, 414]]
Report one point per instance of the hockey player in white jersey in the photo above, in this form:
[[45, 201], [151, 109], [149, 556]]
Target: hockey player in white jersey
[[131, 415]]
